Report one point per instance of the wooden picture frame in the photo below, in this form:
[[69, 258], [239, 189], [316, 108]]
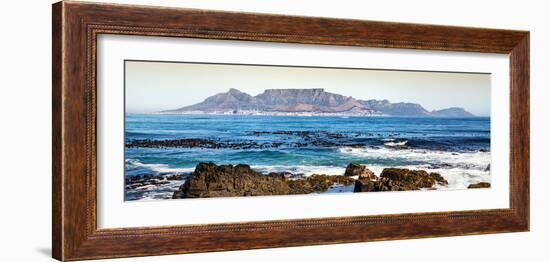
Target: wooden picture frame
[[76, 26]]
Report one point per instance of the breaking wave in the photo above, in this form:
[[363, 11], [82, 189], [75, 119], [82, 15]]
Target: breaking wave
[[459, 168]]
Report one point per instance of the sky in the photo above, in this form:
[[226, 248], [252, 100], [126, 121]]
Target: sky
[[156, 86]]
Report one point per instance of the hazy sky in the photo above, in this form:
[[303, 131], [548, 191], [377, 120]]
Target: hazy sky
[[156, 86]]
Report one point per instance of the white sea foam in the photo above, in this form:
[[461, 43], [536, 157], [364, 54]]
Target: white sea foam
[[150, 192], [460, 169], [160, 168], [339, 188], [472, 160], [396, 144], [301, 169]]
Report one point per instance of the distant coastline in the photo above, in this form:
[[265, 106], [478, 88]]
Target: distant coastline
[[267, 113], [307, 102], [303, 114]]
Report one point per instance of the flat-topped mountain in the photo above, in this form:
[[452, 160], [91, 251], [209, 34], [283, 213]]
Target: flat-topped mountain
[[308, 101]]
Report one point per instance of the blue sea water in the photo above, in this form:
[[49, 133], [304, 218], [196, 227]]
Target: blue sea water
[[458, 148]]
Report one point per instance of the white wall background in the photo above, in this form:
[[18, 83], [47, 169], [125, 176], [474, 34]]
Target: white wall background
[[25, 81]]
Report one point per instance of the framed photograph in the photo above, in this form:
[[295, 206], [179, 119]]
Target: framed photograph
[[194, 131]]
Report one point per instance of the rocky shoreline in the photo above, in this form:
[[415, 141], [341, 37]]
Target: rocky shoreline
[[399, 179], [211, 180]]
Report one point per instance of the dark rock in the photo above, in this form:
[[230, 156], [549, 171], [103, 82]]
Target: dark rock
[[416, 178], [480, 185], [359, 170], [192, 143], [317, 183], [310, 138], [382, 184], [175, 177], [439, 179], [210, 180], [399, 179], [488, 168]]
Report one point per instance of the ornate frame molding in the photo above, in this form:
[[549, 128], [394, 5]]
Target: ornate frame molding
[[76, 26]]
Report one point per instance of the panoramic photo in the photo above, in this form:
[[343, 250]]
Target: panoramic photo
[[202, 130]]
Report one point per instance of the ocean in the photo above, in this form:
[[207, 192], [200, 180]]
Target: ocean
[[457, 148]]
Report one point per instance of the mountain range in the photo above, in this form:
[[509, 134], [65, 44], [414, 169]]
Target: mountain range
[[308, 101]]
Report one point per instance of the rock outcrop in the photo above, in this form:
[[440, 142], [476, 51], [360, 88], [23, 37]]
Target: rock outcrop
[[399, 179], [480, 185], [307, 139], [317, 183], [210, 180], [197, 143], [361, 171]]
